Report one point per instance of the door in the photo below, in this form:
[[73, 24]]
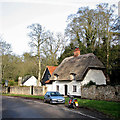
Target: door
[[8, 89], [66, 89], [32, 90]]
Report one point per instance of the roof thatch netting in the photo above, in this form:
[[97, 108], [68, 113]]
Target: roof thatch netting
[[77, 65]]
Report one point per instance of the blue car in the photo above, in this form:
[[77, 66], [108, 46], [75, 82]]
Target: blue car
[[54, 97]]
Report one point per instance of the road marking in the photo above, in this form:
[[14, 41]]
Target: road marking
[[81, 113]]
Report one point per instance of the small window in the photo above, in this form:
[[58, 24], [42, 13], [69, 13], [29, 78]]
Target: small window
[[57, 88], [55, 76], [74, 88], [72, 76]]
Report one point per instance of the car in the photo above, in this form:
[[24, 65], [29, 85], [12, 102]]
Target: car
[[54, 97]]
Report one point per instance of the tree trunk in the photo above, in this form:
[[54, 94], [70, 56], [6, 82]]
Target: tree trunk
[[39, 63], [108, 40], [39, 72]]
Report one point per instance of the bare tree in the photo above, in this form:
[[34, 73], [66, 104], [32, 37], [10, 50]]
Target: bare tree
[[38, 37], [53, 47]]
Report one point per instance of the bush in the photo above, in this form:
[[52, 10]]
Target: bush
[[90, 83], [3, 82], [11, 83]]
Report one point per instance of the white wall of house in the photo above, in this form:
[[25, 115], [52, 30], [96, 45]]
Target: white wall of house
[[96, 76], [92, 75], [61, 84], [49, 87], [31, 81]]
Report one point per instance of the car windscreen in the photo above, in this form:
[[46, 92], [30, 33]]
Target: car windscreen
[[55, 94]]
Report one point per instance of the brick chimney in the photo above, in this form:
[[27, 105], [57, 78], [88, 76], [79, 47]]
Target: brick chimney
[[76, 52]]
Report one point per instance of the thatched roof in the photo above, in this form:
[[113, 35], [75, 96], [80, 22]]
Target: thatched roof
[[77, 65]]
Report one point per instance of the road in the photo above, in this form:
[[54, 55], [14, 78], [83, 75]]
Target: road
[[13, 107]]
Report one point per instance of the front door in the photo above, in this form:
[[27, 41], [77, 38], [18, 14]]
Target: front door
[[66, 89]]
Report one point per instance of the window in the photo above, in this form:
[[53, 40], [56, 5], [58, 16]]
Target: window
[[74, 88], [72, 76], [55, 76], [57, 87]]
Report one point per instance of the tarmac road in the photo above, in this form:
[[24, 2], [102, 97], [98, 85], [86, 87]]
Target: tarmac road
[[13, 107]]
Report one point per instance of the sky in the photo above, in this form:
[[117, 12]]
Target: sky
[[16, 15]]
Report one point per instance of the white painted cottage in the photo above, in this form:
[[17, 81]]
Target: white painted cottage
[[29, 81], [76, 71]]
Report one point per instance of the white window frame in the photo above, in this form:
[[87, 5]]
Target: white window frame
[[75, 89]]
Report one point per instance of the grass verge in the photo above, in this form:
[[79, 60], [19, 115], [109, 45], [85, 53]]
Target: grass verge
[[109, 108], [25, 96]]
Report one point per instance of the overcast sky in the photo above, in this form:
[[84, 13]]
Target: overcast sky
[[16, 15]]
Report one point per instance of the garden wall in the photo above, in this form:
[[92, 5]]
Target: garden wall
[[25, 90], [108, 93], [39, 90], [20, 90]]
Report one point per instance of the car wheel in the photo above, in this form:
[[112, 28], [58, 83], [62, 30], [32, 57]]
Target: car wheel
[[50, 101]]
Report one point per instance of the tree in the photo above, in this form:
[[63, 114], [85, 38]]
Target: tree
[[53, 47], [90, 29], [38, 37], [67, 52], [30, 65], [5, 50], [81, 28]]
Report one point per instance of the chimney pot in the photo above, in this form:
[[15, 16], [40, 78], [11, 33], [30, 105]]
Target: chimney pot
[[76, 52]]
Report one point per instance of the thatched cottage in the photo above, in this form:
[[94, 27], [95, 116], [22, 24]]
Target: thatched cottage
[[76, 71]]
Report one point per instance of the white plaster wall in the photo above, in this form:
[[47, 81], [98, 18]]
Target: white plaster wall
[[62, 87], [95, 76], [31, 81], [49, 87]]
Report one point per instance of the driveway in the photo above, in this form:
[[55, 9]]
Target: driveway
[[13, 107]]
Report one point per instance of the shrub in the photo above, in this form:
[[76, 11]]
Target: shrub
[[11, 83], [89, 84]]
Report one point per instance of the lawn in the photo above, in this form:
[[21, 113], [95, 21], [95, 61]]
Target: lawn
[[110, 108], [26, 96]]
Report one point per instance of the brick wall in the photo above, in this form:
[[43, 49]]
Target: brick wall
[[108, 93]]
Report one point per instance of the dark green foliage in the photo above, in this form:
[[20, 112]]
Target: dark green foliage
[[3, 82], [67, 52], [90, 83], [11, 83]]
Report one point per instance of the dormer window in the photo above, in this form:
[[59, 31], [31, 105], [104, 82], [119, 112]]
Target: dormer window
[[72, 76], [56, 77]]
